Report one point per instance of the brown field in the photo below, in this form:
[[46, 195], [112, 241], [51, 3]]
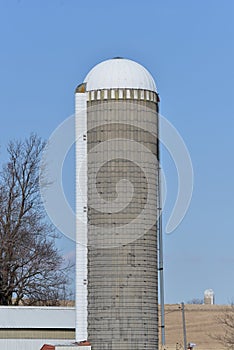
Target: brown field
[[201, 326]]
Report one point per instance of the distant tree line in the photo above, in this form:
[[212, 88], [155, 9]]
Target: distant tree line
[[32, 270], [196, 301]]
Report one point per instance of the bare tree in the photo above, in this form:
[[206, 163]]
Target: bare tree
[[32, 270], [226, 323]]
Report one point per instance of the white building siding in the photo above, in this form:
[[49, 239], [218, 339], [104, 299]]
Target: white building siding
[[28, 344], [36, 317]]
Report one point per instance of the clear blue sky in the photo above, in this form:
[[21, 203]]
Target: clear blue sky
[[47, 48]]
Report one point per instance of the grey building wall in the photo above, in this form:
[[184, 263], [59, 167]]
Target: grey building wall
[[13, 333], [122, 252]]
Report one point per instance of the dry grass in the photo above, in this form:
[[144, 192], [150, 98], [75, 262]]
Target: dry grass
[[201, 326]]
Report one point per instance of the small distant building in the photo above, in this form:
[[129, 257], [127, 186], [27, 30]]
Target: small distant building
[[209, 298]]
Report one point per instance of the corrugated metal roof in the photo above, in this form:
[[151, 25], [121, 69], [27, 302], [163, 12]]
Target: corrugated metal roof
[[119, 73], [36, 317]]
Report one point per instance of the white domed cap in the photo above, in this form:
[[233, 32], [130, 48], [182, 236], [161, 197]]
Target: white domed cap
[[119, 73], [209, 293]]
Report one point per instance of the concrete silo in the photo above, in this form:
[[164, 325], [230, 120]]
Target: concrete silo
[[209, 297], [117, 198]]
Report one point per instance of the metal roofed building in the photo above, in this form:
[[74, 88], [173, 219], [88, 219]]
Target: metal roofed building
[[117, 205], [28, 328]]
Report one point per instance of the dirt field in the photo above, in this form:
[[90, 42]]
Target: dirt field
[[201, 324]]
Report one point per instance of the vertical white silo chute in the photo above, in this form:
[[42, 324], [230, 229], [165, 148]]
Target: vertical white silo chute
[[81, 214]]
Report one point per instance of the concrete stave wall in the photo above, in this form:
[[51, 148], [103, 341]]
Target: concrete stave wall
[[122, 270]]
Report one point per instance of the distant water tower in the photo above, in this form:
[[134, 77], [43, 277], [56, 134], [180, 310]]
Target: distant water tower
[[209, 298]]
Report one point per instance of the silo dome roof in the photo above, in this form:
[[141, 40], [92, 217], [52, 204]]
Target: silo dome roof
[[119, 73]]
